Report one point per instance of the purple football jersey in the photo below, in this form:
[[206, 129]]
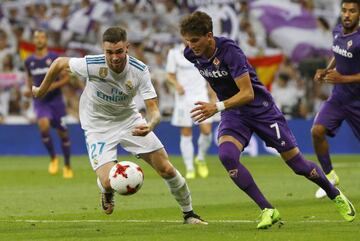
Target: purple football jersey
[[260, 116], [228, 63], [51, 105], [346, 49]]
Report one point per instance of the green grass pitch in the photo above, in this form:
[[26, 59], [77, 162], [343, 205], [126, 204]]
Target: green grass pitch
[[37, 206]]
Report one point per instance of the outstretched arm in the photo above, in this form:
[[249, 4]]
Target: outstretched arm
[[61, 63]]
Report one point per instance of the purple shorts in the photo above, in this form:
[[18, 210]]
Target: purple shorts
[[270, 126], [334, 112], [52, 110]]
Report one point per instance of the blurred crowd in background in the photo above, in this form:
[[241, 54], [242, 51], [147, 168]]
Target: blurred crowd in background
[[75, 28]]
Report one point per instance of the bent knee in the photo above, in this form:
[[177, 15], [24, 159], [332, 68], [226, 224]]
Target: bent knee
[[318, 131], [225, 156], [166, 171]]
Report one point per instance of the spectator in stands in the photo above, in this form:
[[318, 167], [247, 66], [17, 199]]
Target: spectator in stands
[[5, 48], [248, 40], [289, 97], [11, 81]]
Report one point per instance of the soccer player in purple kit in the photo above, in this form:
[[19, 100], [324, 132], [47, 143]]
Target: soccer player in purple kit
[[344, 103], [246, 107], [51, 109]]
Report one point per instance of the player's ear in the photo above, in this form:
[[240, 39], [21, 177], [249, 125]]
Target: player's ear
[[127, 47]]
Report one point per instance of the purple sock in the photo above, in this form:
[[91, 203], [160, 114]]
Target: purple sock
[[46, 139], [311, 171], [325, 162], [65, 145], [229, 155]]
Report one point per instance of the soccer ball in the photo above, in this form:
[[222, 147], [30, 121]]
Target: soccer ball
[[126, 177]]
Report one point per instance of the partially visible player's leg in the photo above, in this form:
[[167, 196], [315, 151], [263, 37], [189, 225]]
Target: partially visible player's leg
[[204, 143], [327, 122], [229, 154], [65, 145], [107, 193], [44, 127], [296, 161], [234, 134], [187, 151], [150, 149], [102, 151], [321, 147], [353, 119], [178, 187], [182, 119]]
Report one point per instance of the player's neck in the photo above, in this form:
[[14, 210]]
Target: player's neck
[[211, 50], [347, 31], [41, 52], [118, 70]]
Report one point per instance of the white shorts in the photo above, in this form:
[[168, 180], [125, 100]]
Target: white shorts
[[181, 115], [102, 146]]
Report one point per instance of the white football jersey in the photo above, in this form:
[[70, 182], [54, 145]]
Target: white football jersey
[[186, 73], [107, 99]]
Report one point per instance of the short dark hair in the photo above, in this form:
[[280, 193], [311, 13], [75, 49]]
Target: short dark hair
[[114, 35], [351, 1], [40, 30], [198, 23]]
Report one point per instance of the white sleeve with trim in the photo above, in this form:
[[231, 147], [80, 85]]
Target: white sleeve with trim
[[146, 88], [78, 66]]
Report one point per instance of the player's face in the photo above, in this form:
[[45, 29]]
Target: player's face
[[40, 40], [115, 54], [350, 16], [200, 45]]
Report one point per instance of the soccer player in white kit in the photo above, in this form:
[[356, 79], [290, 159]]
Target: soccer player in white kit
[[190, 87], [109, 117]]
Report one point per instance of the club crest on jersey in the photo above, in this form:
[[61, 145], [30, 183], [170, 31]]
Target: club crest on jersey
[[129, 85], [216, 62], [349, 44], [48, 61], [233, 173], [103, 72]]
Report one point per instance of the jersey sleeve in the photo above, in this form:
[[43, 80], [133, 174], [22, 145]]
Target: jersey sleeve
[[146, 88], [236, 61], [170, 63], [78, 66], [26, 65]]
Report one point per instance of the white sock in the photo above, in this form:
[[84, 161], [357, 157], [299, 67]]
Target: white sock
[[204, 142], [102, 189], [180, 190], [187, 151]]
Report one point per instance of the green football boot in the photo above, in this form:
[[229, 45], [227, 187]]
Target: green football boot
[[268, 217], [345, 207]]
